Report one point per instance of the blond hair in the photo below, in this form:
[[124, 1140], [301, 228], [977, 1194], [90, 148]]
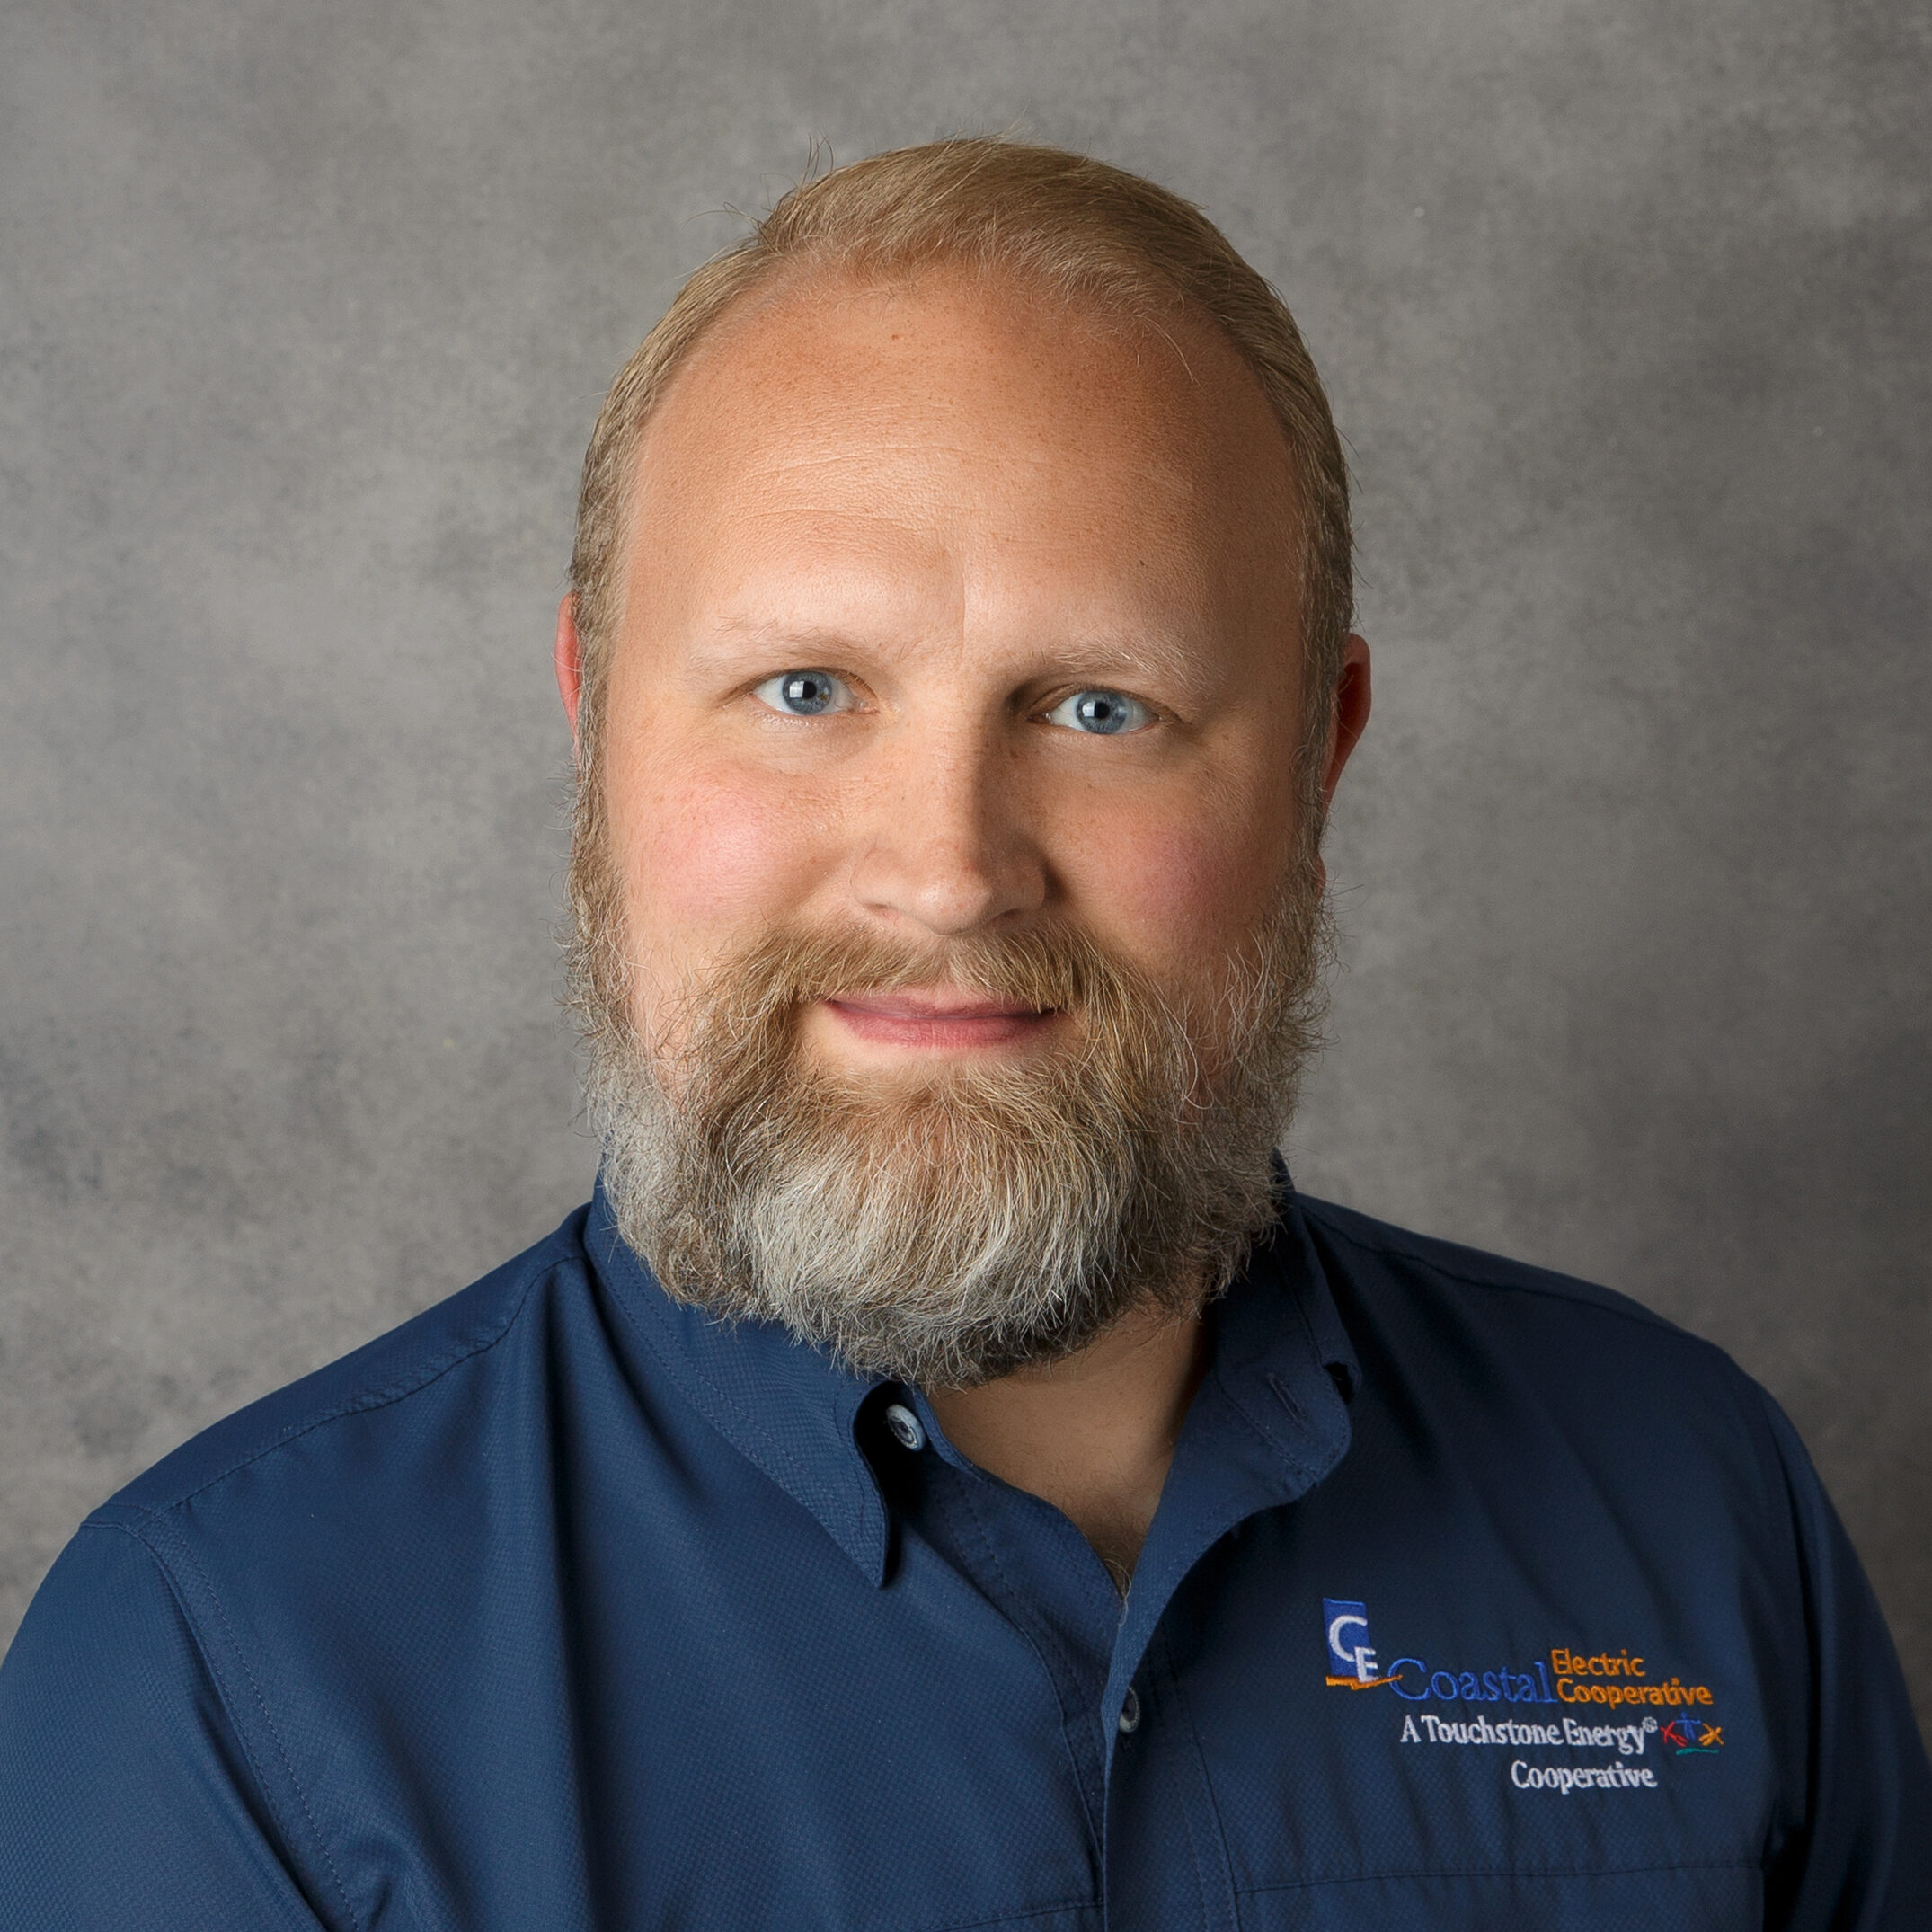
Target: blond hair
[[1091, 233]]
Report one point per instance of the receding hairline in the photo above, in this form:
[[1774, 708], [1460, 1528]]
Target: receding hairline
[[1184, 339], [784, 278]]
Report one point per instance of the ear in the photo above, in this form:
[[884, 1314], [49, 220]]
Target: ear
[[1351, 717], [569, 658]]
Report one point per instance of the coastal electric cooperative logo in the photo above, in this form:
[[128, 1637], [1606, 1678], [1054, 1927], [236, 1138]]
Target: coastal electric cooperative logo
[[1674, 1716]]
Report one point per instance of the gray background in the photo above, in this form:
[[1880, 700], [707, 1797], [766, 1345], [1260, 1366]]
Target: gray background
[[307, 313]]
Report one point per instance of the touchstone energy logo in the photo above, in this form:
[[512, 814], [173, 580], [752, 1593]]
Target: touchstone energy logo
[[1564, 1677]]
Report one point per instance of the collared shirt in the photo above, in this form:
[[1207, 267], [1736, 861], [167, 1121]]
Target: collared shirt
[[1476, 1597]]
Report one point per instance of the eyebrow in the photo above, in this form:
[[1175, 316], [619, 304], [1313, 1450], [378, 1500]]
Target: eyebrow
[[768, 634]]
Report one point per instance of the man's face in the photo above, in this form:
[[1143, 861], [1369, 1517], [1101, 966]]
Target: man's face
[[947, 836], [896, 552]]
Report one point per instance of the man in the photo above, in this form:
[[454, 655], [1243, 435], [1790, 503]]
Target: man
[[947, 1477]]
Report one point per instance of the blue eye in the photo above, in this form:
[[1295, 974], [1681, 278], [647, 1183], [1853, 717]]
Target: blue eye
[[1102, 712], [805, 694]]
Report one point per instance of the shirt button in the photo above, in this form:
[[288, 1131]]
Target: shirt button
[[905, 1427], [1129, 1719]]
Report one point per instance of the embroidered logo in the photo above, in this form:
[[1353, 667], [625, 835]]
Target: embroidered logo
[[1689, 1734], [1351, 1655], [1675, 1713], [1611, 1677]]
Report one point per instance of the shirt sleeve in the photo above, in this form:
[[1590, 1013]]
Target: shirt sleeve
[[1863, 1862], [126, 1798]]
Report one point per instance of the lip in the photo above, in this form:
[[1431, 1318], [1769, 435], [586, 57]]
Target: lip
[[939, 1018]]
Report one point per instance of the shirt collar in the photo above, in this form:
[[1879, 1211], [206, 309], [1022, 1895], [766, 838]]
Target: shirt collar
[[784, 1406], [1269, 1422]]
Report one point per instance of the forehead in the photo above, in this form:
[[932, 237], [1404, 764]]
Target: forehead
[[965, 421]]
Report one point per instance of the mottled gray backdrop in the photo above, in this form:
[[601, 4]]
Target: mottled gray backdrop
[[307, 313]]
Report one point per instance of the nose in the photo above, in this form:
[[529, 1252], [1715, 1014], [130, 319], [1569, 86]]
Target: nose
[[948, 843]]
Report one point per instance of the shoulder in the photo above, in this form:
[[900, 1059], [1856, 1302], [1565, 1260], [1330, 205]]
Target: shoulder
[[1435, 1306], [424, 1365], [1562, 1391], [1377, 1250]]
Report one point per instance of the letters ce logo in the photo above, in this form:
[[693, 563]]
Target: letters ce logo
[[1351, 1654]]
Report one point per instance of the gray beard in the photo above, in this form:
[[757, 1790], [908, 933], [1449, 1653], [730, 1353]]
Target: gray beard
[[947, 1233]]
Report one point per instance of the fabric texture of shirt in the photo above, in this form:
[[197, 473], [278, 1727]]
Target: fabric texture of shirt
[[1476, 1597]]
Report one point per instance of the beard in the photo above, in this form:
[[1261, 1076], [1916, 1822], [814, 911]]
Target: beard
[[944, 1227]]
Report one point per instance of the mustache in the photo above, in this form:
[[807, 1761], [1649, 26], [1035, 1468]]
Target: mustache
[[1044, 969]]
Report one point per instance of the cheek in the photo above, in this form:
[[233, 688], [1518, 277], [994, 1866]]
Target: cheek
[[1179, 890], [705, 856]]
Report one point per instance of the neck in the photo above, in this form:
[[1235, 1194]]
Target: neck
[[1093, 1435]]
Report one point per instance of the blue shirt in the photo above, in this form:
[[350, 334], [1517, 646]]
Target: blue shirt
[[1476, 1597]]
